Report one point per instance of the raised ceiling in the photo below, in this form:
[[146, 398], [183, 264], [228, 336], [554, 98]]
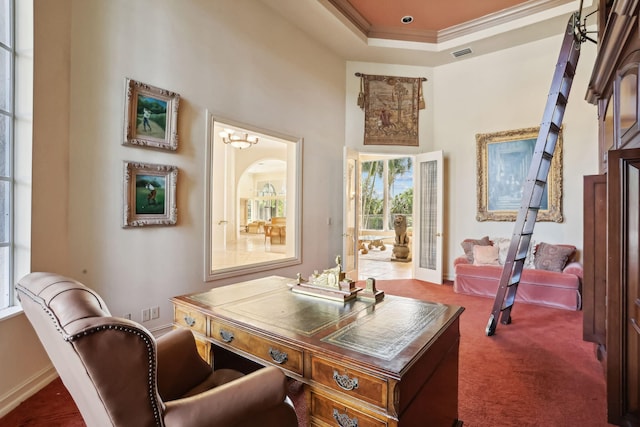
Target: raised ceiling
[[423, 20], [373, 30]]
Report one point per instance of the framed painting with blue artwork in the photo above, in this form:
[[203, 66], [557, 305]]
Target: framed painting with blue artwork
[[503, 160]]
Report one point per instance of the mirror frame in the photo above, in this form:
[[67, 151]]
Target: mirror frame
[[211, 274]]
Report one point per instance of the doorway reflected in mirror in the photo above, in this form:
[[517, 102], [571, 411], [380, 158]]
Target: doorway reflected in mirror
[[253, 207]]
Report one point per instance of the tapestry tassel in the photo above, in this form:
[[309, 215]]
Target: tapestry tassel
[[421, 104], [361, 94]]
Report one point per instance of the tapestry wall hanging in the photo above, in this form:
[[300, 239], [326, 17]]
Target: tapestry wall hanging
[[391, 107]]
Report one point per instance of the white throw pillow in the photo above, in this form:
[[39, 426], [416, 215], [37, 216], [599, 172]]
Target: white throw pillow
[[485, 255]]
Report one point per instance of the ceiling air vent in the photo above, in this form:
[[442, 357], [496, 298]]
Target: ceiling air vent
[[461, 52]]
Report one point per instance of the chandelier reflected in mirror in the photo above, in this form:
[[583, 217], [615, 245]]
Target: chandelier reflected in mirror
[[238, 140]]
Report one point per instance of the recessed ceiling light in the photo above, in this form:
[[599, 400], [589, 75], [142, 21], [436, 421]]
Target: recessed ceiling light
[[407, 19]]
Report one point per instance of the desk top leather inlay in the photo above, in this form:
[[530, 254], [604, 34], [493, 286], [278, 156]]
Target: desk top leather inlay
[[302, 314], [386, 331]]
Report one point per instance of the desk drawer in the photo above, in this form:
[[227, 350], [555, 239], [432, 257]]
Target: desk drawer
[[325, 411], [350, 381], [274, 352], [193, 320]]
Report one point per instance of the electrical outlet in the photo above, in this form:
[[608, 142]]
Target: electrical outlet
[[146, 314], [127, 316], [155, 312]]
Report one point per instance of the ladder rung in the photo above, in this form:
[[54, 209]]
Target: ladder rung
[[562, 99], [506, 307], [559, 97], [550, 127]]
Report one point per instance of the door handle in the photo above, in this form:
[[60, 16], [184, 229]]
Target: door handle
[[223, 221]]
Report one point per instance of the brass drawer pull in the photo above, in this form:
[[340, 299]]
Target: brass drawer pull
[[343, 420], [634, 323], [344, 382], [190, 321], [278, 356], [226, 336]]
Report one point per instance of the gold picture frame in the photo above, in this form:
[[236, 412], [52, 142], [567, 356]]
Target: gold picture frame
[[149, 194], [151, 116], [503, 161]]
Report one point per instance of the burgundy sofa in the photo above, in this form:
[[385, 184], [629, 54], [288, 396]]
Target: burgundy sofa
[[547, 288]]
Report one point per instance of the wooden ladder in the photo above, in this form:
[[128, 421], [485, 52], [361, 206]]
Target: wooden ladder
[[538, 172]]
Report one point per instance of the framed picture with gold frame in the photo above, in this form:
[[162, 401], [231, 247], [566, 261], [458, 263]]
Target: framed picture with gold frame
[[503, 161], [151, 116], [149, 194]]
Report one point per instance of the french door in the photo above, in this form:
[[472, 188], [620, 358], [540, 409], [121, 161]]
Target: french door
[[427, 217], [426, 237]]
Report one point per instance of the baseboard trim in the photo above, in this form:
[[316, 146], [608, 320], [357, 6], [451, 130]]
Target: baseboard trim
[[10, 400]]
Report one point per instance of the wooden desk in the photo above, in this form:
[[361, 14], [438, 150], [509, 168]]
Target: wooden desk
[[394, 363]]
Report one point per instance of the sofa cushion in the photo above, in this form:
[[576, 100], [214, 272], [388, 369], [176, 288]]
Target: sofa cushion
[[552, 257], [503, 244], [468, 244], [485, 255]]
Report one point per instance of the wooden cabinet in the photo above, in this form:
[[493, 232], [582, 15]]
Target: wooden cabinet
[[623, 288], [594, 281], [614, 88]]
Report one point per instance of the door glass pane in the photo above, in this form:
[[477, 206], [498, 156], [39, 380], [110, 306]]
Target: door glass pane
[[428, 214], [400, 183], [5, 197], [628, 102], [372, 187], [5, 22], [5, 285], [5, 80], [5, 144], [608, 126]]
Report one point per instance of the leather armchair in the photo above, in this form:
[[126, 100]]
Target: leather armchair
[[119, 375]]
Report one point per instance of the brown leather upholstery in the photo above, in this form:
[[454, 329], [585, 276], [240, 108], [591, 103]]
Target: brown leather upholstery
[[120, 375]]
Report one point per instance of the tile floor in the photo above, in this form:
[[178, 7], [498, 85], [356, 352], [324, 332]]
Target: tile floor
[[378, 264]]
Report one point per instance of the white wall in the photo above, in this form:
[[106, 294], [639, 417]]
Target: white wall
[[257, 70]]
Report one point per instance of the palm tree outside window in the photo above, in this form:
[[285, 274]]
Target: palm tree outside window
[[387, 191]]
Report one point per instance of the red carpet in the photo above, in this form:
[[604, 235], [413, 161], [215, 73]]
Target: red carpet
[[535, 372]]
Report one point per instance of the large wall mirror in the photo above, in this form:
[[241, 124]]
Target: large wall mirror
[[253, 199]]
